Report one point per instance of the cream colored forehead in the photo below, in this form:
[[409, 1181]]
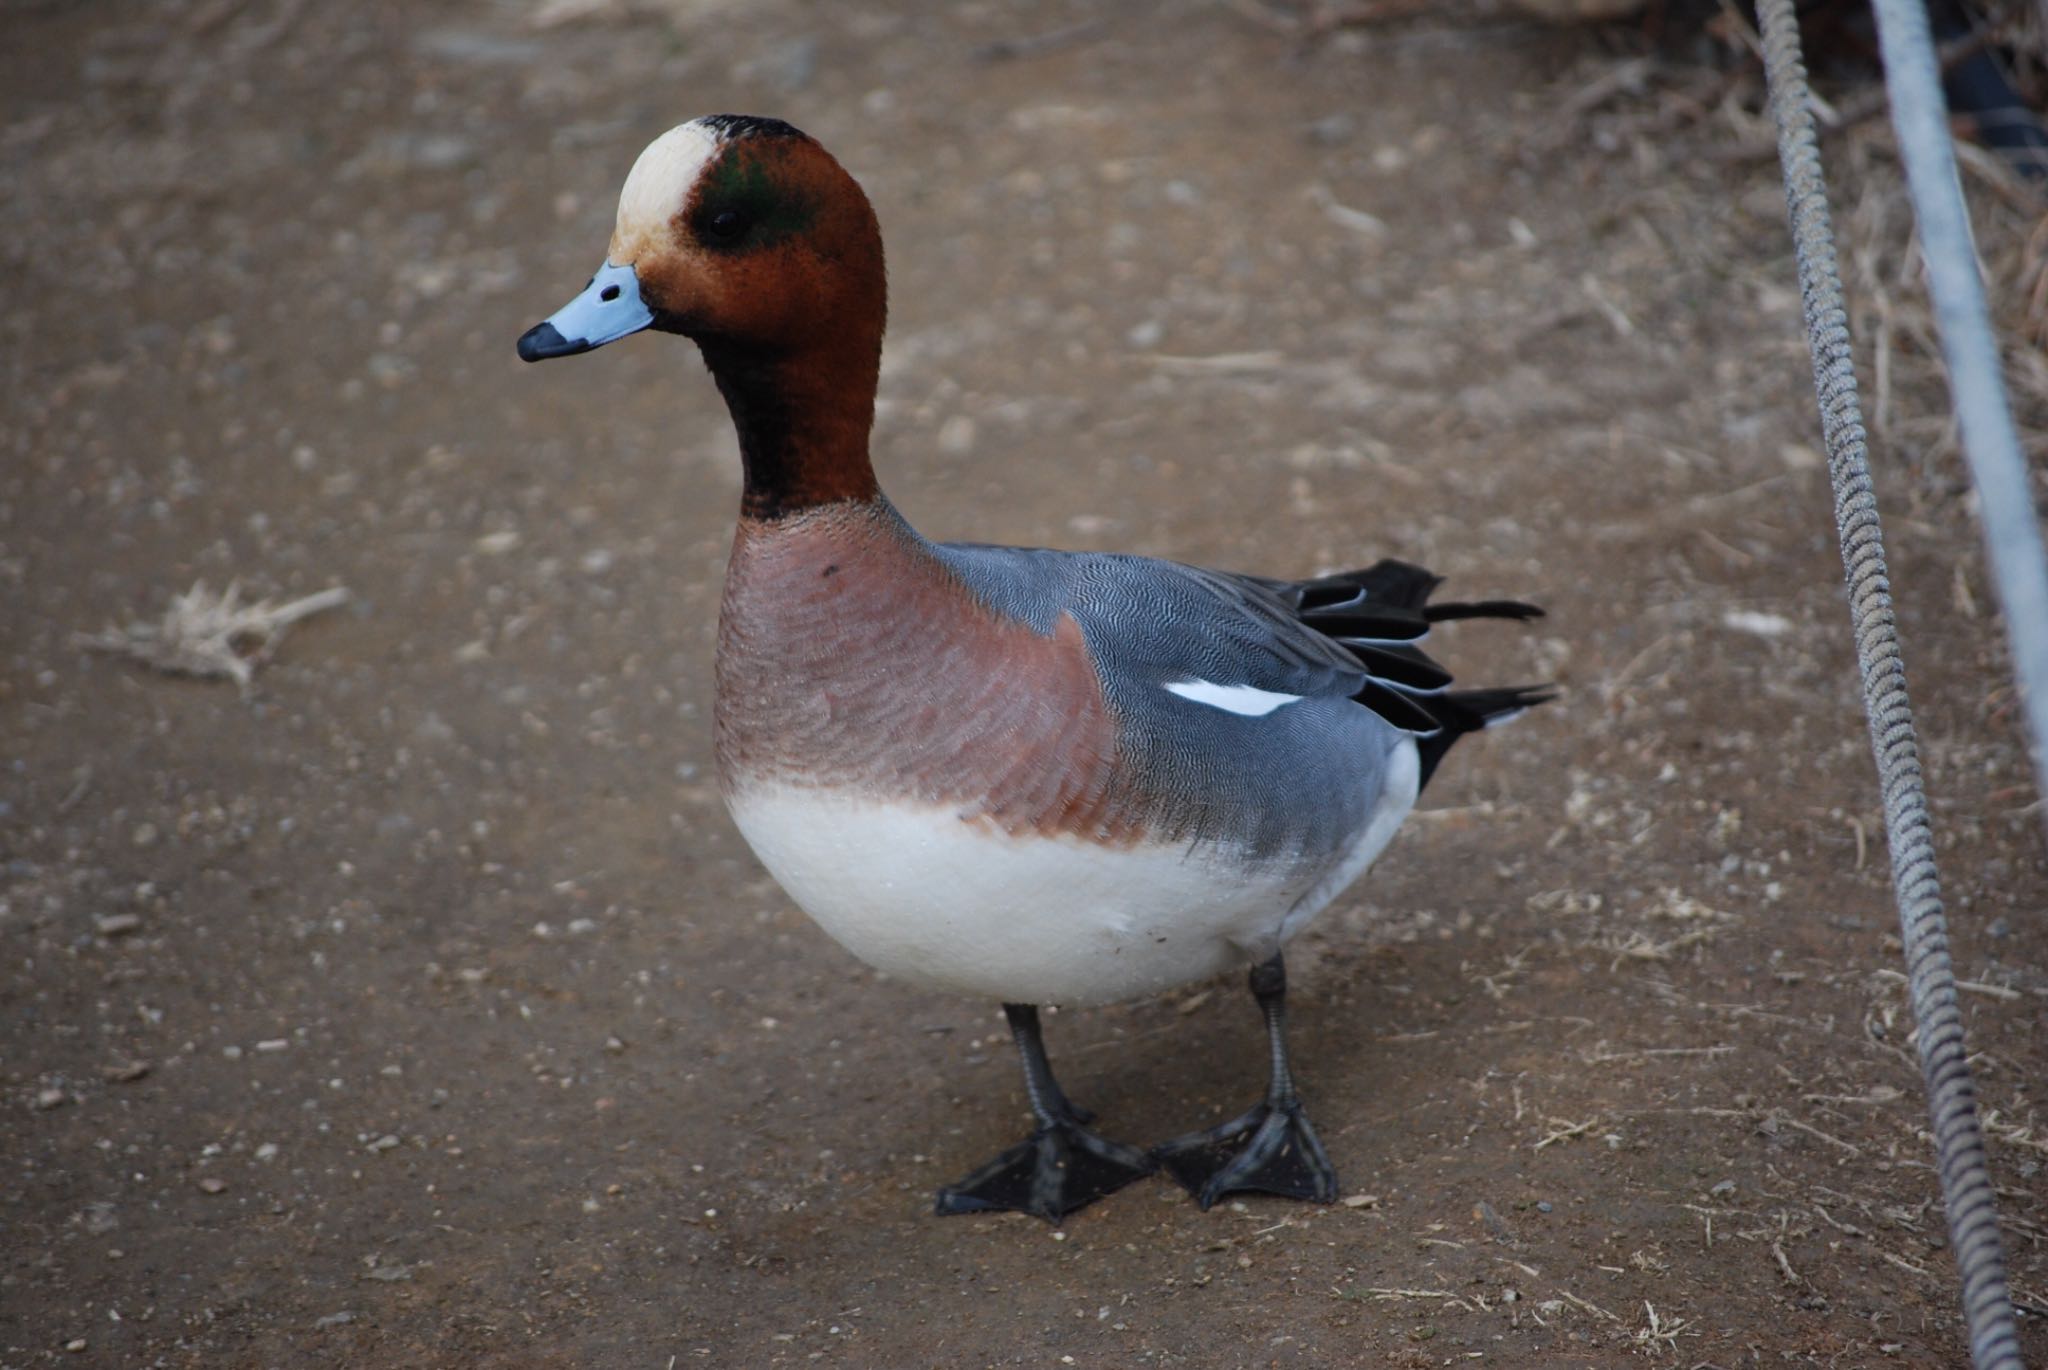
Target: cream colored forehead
[[662, 176]]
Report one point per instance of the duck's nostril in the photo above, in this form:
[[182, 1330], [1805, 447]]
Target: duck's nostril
[[608, 294]]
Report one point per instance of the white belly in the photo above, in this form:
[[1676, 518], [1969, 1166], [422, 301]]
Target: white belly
[[922, 895]]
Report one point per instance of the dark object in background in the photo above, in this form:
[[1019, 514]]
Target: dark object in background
[[1978, 88], [1994, 66]]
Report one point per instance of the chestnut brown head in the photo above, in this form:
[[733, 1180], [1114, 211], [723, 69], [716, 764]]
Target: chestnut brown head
[[737, 231]]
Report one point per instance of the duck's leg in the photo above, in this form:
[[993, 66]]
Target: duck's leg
[[1281, 1154], [1060, 1167]]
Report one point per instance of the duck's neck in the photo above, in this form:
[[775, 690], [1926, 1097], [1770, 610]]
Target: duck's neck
[[803, 419]]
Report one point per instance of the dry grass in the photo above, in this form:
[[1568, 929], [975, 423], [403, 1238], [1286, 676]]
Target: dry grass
[[212, 636], [1650, 101], [1890, 311]]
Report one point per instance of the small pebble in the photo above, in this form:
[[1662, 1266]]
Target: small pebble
[[75, 1344], [117, 924], [211, 1184], [1543, 1206], [386, 1142], [957, 435], [1331, 130], [47, 1099]]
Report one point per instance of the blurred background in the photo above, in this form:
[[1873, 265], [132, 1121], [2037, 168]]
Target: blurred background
[[416, 1004]]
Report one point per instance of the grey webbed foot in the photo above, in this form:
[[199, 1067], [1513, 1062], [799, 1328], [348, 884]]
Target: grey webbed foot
[[1270, 1150], [1060, 1167], [1279, 1154], [1057, 1169]]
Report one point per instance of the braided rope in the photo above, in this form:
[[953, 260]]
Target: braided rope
[[1952, 1095]]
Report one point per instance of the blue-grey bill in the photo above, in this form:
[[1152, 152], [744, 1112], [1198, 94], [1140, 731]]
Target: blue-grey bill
[[608, 309]]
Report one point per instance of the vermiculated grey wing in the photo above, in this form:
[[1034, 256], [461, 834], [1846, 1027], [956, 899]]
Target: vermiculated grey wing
[[1157, 622], [1295, 783], [1300, 777]]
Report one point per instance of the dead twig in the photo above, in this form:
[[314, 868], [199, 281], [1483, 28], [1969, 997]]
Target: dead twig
[[1590, 1307], [2001, 992], [212, 636], [1761, 1119], [1387, 1295], [1784, 1264], [1648, 1053], [1564, 1129], [1220, 364], [1662, 1329]]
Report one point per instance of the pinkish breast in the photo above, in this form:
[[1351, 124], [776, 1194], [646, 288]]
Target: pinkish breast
[[850, 659]]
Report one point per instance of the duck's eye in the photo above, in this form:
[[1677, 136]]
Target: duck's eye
[[608, 294], [727, 225]]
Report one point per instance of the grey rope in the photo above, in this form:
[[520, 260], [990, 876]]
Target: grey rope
[[1916, 884], [2012, 531]]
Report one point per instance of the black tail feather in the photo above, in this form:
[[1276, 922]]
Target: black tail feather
[[1485, 608], [1396, 594], [1378, 613], [1403, 710], [1403, 667], [1470, 711], [1395, 582]]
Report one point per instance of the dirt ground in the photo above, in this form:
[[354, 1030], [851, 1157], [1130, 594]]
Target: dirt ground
[[422, 1007]]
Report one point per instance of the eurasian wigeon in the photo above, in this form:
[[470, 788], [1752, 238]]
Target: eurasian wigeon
[[1032, 776]]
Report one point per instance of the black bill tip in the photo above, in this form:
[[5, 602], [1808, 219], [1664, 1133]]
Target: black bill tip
[[544, 340]]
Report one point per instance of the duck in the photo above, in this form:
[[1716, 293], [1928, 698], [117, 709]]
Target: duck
[[1030, 776]]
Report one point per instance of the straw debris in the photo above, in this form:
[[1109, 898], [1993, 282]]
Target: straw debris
[[212, 636]]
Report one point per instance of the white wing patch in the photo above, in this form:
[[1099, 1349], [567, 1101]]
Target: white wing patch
[[1247, 700]]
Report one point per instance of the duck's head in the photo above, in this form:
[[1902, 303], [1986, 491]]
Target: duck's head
[[742, 233]]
